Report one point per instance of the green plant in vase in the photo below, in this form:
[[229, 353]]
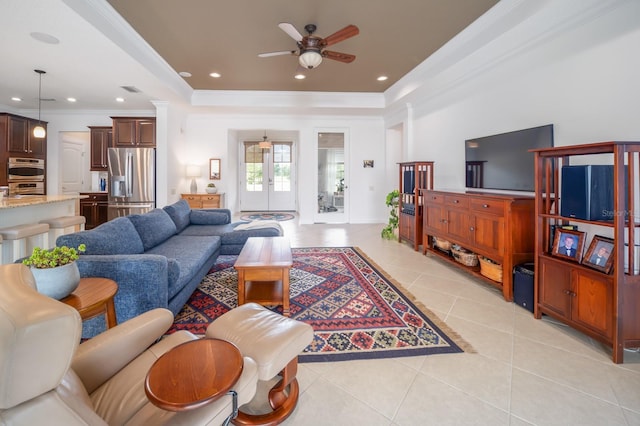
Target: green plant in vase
[[392, 201], [55, 271], [211, 188]]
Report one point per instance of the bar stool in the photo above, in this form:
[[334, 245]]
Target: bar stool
[[63, 225], [19, 241]]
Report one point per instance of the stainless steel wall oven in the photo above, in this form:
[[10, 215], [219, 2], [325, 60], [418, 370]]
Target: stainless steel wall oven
[[26, 176]]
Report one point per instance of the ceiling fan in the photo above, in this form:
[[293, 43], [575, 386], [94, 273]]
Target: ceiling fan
[[311, 48]]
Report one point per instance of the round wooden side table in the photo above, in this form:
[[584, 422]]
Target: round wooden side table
[[194, 374], [93, 297]]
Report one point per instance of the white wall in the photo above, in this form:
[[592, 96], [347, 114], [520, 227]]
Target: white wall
[[217, 136], [584, 81]]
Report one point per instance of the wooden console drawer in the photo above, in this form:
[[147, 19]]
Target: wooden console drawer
[[433, 197], [486, 205], [461, 202]]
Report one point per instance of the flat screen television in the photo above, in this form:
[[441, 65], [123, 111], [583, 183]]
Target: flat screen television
[[503, 161]]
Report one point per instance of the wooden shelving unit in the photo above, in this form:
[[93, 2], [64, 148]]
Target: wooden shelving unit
[[414, 176], [606, 307]]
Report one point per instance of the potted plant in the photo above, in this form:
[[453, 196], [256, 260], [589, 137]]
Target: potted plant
[[211, 188], [392, 201], [55, 271]]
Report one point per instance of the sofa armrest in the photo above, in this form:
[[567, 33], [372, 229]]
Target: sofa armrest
[[99, 358], [142, 280], [210, 216]]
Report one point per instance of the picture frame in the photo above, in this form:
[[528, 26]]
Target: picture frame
[[214, 169], [568, 237], [552, 233], [600, 254], [367, 163]]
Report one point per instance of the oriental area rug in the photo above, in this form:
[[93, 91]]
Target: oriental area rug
[[267, 216], [356, 310]]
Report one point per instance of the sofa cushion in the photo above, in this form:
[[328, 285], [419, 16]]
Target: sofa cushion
[[179, 213], [208, 217], [153, 227], [118, 236], [187, 255]]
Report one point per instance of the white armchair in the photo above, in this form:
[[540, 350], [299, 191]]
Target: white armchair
[[49, 378]]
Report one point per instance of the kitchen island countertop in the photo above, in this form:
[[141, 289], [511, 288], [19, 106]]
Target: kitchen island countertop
[[33, 200]]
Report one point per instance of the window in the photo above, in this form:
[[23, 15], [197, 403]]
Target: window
[[254, 159], [282, 166]]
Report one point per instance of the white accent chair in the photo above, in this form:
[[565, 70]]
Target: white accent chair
[[49, 378]]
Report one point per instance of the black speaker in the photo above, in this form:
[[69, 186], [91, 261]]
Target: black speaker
[[587, 192], [408, 181]]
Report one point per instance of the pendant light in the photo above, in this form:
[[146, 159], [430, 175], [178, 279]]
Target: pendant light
[[265, 144], [38, 131]]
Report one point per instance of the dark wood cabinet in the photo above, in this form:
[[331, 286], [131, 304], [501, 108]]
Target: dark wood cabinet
[[498, 227], [20, 141], [94, 208], [101, 140], [414, 176], [604, 306], [134, 132]]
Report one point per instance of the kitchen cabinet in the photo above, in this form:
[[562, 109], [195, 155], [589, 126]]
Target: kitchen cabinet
[[101, 140], [134, 132], [413, 176], [498, 227], [204, 201], [605, 307], [17, 134], [94, 208]]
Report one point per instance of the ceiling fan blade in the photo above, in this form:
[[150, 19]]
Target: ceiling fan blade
[[343, 34], [337, 56], [282, 52], [291, 30]]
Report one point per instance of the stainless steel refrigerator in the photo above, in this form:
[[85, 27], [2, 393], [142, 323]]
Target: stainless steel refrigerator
[[132, 181]]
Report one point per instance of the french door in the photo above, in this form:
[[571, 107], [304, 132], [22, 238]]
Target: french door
[[268, 177]]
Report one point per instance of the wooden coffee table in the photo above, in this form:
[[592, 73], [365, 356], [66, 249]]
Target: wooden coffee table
[[194, 374], [263, 272], [93, 297]]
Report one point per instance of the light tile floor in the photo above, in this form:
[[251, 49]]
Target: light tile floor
[[525, 371]]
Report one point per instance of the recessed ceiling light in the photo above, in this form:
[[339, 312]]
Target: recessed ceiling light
[[16, 99], [184, 74], [299, 76], [119, 99], [71, 99], [215, 75], [382, 78], [45, 38]]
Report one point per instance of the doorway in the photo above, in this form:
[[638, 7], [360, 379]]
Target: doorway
[[332, 178], [268, 176], [74, 163]]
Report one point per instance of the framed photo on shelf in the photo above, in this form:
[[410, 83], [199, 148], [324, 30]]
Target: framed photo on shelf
[[568, 244], [552, 233], [600, 254]]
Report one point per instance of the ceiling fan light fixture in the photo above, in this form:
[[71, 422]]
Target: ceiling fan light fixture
[[310, 59]]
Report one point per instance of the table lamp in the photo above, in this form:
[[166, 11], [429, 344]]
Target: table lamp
[[193, 172]]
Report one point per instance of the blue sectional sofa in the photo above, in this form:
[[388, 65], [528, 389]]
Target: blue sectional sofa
[[157, 258]]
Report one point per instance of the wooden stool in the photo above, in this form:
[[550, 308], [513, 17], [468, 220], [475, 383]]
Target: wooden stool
[[63, 225], [19, 241]]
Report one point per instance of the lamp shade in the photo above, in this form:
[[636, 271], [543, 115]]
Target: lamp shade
[[39, 132], [310, 59], [193, 171]]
